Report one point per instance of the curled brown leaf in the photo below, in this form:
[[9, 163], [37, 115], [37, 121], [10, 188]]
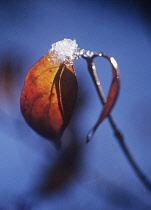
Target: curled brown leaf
[[48, 97], [113, 91]]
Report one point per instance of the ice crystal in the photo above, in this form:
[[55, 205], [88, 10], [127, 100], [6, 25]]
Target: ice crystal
[[66, 51]]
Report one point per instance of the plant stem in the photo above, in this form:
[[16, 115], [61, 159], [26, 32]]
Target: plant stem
[[117, 133]]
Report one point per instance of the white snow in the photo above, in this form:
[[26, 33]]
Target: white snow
[[66, 51]]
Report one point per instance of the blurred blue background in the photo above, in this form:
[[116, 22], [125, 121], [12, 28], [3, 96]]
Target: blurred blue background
[[105, 180]]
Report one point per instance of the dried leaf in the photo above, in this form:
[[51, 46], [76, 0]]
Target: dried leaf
[[48, 97], [111, 98]]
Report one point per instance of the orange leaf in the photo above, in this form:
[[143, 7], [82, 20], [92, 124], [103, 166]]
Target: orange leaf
[[48, 97]]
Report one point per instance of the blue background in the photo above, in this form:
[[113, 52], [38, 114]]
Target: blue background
[[106, 180]]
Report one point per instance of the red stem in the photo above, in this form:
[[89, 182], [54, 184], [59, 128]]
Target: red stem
[[117, 133]]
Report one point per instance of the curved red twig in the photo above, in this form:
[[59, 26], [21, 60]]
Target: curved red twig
[[113, 91]]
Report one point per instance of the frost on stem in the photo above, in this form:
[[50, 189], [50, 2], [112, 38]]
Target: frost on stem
[[66, 51]]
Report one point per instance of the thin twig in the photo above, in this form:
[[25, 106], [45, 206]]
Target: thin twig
[[117, 133]]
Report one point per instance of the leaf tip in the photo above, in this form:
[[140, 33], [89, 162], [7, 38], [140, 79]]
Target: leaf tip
[[90, 135]]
